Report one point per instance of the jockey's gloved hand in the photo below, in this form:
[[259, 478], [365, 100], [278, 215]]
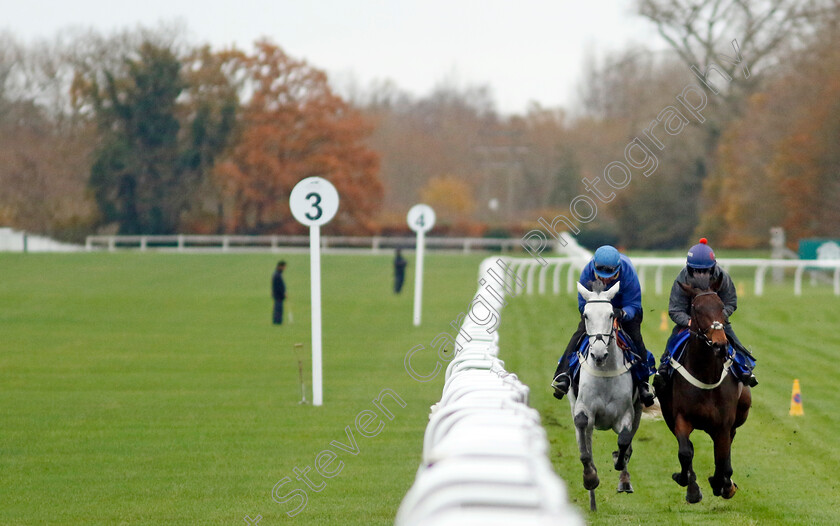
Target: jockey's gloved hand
[[619, 314]]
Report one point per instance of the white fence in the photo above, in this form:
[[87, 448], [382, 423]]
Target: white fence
[[275, 243], [485, 455], [536, 276], [16, 241]]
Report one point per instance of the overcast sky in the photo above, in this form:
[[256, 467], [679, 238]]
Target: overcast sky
[[524, 50]]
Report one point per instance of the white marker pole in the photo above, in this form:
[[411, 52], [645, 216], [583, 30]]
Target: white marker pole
[[418, 277], [315, 288], [313, 202], [421, 218]]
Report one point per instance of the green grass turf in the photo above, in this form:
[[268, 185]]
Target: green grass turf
[[153, 389]]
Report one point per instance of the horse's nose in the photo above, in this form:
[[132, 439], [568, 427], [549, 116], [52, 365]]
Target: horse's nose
[[602, 358]]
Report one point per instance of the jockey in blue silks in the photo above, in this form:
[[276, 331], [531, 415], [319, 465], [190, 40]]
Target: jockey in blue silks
[[609, 266], [701, 263]]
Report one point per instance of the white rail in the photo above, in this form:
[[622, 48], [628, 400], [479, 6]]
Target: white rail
[[225, 243], [536, 275], [485, 455]]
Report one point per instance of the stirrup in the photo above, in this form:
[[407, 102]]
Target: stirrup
[[561, 384]]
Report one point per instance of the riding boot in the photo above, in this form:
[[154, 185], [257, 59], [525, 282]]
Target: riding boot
[[664, 365], [660, 379], [644, 393], [659, 383], [561, 385], [748, 379]]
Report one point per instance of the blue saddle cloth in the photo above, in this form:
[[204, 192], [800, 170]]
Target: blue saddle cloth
[[625, 344], [741, 362]]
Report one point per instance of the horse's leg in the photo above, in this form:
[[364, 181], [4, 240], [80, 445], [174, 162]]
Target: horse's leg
[[620, 457], [583, 430], [682, 430], [625, 449], [624, 485], [721, 482], [743, 411]]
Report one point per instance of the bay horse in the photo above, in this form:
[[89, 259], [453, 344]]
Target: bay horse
[[703, 395], [604, 398]]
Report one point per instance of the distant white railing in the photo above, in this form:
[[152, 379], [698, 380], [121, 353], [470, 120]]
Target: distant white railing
[[536, 275], [227, 243], [17, 241]]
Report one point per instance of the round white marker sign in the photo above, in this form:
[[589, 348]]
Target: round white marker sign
[[421, 218], [314, 201]]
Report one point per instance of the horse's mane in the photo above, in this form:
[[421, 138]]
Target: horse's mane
[[596, 286], [700, 282]]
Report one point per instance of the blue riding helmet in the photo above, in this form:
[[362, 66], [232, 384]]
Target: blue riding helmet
[[701, 256], [607, 262]]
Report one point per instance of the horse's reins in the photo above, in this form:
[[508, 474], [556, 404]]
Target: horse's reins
[[704, 336], [600, 337]]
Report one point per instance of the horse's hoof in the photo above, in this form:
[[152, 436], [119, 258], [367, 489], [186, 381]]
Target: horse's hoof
[[717, 489], [625, 487], [679, 479], [591, 482], [730, 492], [694, 497]]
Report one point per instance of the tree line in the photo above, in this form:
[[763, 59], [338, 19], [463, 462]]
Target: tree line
[[139, 132]]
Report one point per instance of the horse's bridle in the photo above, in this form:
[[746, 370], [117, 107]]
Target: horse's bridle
[[599, 337], [716, 325]]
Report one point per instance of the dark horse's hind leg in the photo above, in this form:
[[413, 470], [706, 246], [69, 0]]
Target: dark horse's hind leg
[[686, 477], [721, 482]]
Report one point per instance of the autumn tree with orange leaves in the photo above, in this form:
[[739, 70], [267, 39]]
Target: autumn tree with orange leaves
[[779, 162], [292, 126]]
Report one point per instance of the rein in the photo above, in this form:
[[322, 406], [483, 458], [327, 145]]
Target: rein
[[600, 337], [704, 337]]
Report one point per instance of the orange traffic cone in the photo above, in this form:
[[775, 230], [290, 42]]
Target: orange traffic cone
[[796, 400]]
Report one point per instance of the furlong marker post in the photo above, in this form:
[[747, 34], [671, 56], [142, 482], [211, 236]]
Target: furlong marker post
[[313, 202], [421, 219]]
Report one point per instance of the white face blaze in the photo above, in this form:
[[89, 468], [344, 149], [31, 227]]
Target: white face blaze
[[598, 316]]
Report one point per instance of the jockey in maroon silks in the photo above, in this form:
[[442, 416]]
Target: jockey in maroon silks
[[701, 264]]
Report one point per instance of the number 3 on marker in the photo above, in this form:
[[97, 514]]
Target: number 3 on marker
[[314, 204], [313, 201]]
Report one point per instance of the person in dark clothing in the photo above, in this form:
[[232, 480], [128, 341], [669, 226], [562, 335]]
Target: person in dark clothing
[[278, 292], [399, 271], [609, 267], [701, 264]]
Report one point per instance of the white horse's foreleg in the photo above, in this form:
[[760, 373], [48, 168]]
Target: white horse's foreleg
[[584, 425]]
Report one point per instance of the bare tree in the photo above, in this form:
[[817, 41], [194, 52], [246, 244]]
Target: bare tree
[[741, 37]]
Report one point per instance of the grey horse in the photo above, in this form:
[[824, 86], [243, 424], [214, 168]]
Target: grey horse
[[604, 398]]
